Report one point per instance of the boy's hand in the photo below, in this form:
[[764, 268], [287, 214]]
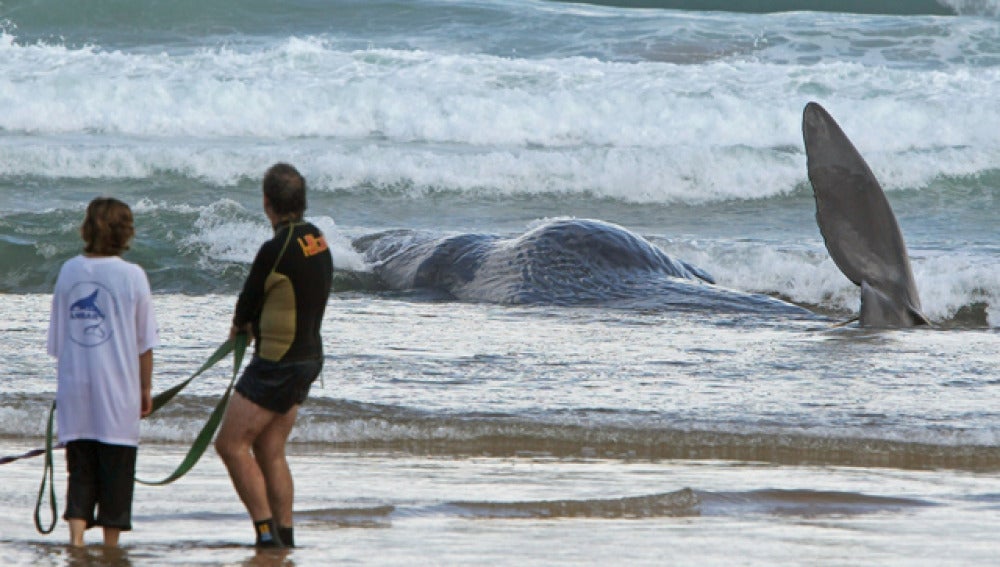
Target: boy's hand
[[147, 403]]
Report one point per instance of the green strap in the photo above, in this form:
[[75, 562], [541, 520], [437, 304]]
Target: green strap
[[237, 346], [225, 348], [47, 478], [291, 231]]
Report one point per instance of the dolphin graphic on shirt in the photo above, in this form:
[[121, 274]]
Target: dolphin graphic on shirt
[[86, 309]]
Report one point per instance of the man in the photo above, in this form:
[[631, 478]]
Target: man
[[281, 307]]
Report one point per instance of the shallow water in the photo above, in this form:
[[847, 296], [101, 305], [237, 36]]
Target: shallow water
[[398, 508], [446, 433]]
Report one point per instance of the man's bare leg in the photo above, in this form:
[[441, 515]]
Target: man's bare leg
[[269, 451], [243, 423]]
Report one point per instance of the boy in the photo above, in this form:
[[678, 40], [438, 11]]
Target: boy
[[102, 331]]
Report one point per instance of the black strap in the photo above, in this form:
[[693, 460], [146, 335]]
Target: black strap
[[47, 478]]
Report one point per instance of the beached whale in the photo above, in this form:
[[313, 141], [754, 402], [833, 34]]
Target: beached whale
[[858, 225], [590, 262], [558, 262]]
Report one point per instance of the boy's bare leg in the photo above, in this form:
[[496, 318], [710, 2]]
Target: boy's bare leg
[[76, 528], [111, 536]]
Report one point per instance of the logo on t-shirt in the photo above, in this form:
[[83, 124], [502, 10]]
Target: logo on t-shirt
[[312, 245], [89, 315]]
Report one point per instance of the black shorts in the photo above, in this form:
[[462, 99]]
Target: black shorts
[[277, 386], [102, 476]]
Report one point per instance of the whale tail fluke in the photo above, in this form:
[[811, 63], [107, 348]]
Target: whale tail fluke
[[858, 225], [878, 309]]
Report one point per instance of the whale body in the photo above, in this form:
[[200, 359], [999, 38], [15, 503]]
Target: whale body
[[568, 262]]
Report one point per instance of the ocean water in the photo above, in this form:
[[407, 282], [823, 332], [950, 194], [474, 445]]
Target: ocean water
[[450, 432]]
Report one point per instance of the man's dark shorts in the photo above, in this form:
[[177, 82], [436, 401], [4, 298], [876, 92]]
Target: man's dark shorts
[[277, 386], [102, 476]]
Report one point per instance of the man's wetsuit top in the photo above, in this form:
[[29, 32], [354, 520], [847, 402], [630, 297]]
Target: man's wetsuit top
[[285, 293]]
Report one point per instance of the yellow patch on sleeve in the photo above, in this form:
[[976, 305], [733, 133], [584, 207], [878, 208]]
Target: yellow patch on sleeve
[[312, 245]]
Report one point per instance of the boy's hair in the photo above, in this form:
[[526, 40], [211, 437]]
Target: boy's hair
[[285, 189], [108, 227]]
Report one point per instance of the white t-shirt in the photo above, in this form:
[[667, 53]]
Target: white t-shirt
[[102, 320]]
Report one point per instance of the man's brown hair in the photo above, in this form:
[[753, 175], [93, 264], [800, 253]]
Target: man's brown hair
[[108, 227], [285, 189]]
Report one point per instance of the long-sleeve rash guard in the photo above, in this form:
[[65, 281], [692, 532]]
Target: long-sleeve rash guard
[[285, 293]]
